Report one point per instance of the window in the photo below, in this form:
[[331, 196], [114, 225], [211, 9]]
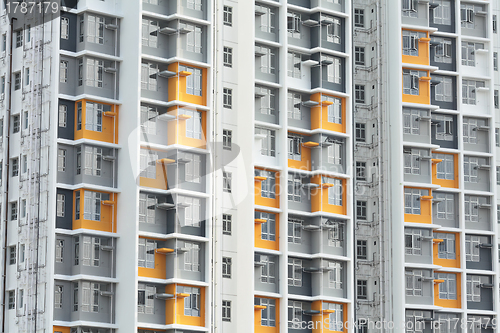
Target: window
[[19, 38], [410, 42], [294, 23], [64, 28], [411, 121], [446, 249], [496, 99], [194, 40], [268, 228], [268, 269], [362, 289], [471, 165], [17, 81], [228, 56], [63, 115], [268, 185], [16, 123], [294, 314], [361, 171], [226, 267], [2, 87], [472, 247], [294, 65], [413, 241], [193, 124], [498, 175], [446, 206], [227, 98], [26, 76], [93, 161], [146, 298], [294, 187], [335, 317], [495, 24], [413, 282], [147, 208], [467, 15], [226, 311], [95, 70], [23, 208], [12, 255], [412, 200], [192, 169], [335, 274], [226, 181], [333, 26], [408, 7], [147, 249], [445, 168], [335, 233], [194, 4], [150, 30], [149, 76], [335, 192], [294, 272], [227, 224], [443, 91], [333, 69], [448, 288], [360, 132], [448, 323], [194, 82], [267, 315], [228, 16], [12, 299], [61, 159], [227, 138], [361, 210], [471, 204], [473, 288], [268, 142], [22, 252], [59, 250], [411, 81], [91, 251], [497, 137], [267, 100], [75, 296], [192, 212], [495, 61], [443, 51], [444, 127], [267, 58], [20, 299], [294, 147], [359, 18], [412, 161], [442, 13], [149, 116], [334, 109], [192, 257], [469, 53], [15, 167], [359, 93], [267, 18], [92, 205], [90, 297], [294, 104], [361, 249], [58, 297], [295, 231], [95, 29], [61, 200], [334, 151]]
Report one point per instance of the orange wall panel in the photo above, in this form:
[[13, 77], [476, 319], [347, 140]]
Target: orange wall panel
[[423, 52], [108, 214], [266, 244], [160, 270], [61, 329], [258, 328], [109, 131], [269, 202], [319, 198], [449, 303], [425, 211], [424, 96], [177, 86], [176, 131], [446, 262], [450, 183], [174, 308], [319, 115]]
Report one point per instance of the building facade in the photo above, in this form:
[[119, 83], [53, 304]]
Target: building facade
[[269, 166]]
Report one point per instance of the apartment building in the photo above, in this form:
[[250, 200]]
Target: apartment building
[[182, 166]]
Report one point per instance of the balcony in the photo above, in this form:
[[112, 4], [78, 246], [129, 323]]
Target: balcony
[[445, 209], [104, 38], [478, 252], [95, 210]]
